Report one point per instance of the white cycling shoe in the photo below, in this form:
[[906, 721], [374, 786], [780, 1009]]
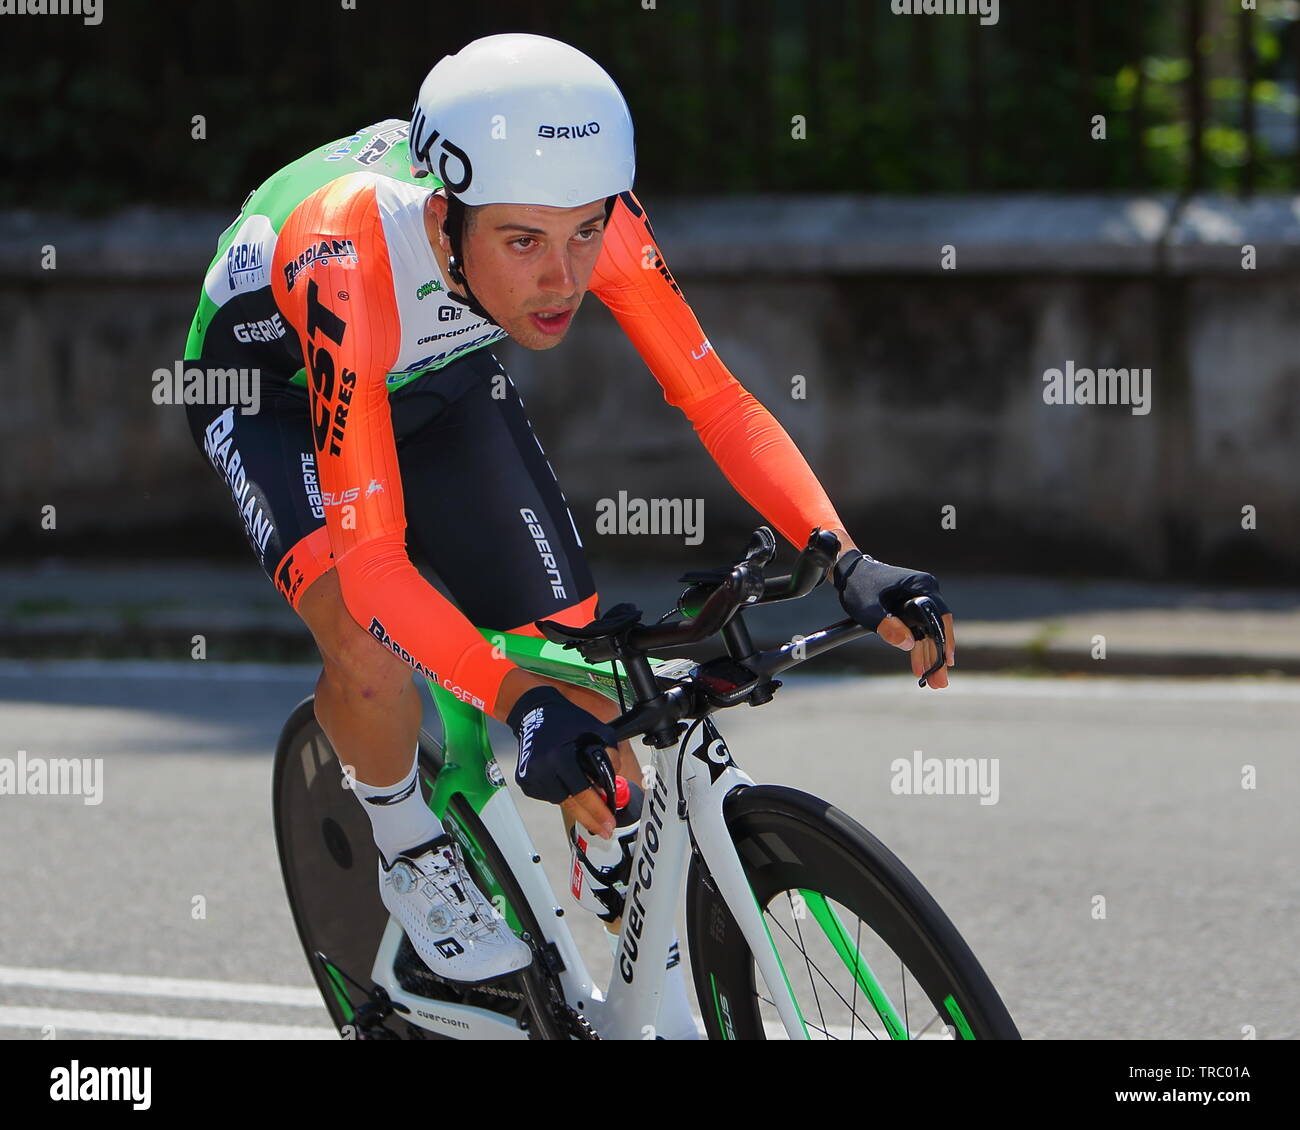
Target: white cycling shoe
[[454, 929]]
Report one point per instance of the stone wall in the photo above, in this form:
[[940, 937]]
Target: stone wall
[[922, 386]]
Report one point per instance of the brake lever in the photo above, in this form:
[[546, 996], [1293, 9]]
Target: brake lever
[[923, 620], [595, 763]]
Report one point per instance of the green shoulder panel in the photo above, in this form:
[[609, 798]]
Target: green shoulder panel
[[244, 249]]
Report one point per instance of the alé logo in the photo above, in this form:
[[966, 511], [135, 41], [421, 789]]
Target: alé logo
[[532, 723]]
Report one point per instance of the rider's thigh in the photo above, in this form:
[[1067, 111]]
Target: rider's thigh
[[483, 504]]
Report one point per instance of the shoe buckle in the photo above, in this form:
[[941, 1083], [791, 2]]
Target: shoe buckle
[[402, 878], [440, 919]]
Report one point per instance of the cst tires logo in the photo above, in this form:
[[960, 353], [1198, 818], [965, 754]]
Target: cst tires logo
[[330, 392]]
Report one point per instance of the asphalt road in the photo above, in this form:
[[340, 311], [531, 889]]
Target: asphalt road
[[1127, 789]]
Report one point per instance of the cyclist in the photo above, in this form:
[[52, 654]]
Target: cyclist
[[385, 418]]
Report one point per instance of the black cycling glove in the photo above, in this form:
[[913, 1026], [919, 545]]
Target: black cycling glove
[[870, 590], [551, 732]]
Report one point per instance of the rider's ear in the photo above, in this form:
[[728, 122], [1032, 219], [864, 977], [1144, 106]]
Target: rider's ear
[[437, 206]]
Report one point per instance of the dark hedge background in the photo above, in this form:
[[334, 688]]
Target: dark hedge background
[[893, 103]]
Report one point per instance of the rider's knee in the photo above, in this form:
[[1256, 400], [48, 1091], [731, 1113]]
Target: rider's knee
[[356, 665], [359, 666]]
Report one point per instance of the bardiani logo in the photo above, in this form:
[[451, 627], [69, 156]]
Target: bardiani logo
[[246, 265], [436, 359], [322, 251]]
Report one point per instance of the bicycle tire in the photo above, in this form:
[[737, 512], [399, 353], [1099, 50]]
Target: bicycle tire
[[788, 841], [328, 860]]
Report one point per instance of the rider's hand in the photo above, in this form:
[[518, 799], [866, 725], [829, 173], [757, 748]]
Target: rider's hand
[[868, 588], [551, 732]]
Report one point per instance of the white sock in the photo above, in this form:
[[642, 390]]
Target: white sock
[[676, 1020], [398, 814]]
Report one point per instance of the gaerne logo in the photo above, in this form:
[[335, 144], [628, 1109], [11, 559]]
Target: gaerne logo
[[587, 130], [311, 484], [538, 534], [344, 250], [267, 329]]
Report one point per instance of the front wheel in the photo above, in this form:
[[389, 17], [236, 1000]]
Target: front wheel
[[867, 952]]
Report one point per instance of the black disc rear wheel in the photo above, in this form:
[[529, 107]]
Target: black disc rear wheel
[[329, 862]]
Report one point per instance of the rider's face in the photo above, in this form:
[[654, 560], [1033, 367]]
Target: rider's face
[[526, 261]]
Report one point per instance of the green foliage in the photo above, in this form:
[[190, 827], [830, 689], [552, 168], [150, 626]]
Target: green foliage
[[100, 117]]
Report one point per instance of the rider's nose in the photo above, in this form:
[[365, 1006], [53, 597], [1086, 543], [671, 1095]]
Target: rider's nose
[[557, 274]]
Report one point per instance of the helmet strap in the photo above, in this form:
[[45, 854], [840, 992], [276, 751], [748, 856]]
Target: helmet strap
[[454, 227]]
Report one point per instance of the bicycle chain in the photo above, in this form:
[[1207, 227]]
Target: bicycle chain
[[579, 1026]]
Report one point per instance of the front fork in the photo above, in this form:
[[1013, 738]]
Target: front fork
[[707, 773]]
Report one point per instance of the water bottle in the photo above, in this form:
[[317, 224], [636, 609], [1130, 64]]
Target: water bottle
[[599, 868]]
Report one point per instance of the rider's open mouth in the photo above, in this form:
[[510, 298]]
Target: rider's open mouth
[[552, 321]]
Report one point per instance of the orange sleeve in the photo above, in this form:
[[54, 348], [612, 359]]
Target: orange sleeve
[[333, 282], [752, 450]]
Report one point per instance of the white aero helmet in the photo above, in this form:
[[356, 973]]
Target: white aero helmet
[[522, 119]]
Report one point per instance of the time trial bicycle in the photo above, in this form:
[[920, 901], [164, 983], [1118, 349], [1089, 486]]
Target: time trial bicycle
[[800, 923]]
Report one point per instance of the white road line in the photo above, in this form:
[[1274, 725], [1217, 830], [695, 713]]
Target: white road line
[[976, 684], [179, 987], [138, 1024], [775, 1030], [1082, 687], [209, 670]]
